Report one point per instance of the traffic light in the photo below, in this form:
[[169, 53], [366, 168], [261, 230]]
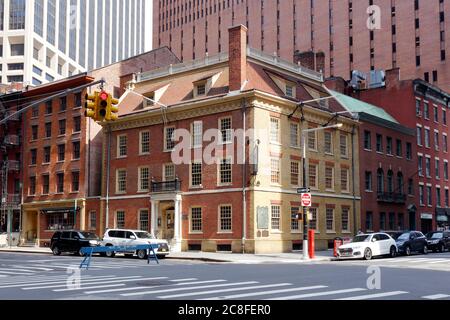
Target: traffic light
[[91, 106], [103, 98], [112, 109]]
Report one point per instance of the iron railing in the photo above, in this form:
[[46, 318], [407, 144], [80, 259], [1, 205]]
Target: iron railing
[[391, 197], [166, 186]]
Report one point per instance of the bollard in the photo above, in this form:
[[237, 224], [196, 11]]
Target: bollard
[[337, 243], [311, 234]]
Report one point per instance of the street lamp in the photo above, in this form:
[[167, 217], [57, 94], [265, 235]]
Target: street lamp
[[305, 213]]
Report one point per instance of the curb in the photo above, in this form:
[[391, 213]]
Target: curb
[[197, 259]]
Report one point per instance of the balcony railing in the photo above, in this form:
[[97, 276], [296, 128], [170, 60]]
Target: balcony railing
[[12, 140], [12, 114], [391, 197], [166, 186], [11, 200], [13, 165]]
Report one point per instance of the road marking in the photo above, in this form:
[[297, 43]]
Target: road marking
[[263, 293], [187, 288], [139, 288], [375, 295], [84, 288], [318, 294], [13, 273], [76, 265], [436, 296], [181, 280], [15, 269], [439, 261], [91, 281], [224, 290], [34, 268], [45, 282], [40, 280]]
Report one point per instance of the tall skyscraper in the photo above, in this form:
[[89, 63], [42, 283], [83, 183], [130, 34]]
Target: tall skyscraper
[[353, 34], [45, 40]]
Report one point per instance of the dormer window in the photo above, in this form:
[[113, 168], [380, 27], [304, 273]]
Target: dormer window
[[201, 89], [149, 101], [289, 90]]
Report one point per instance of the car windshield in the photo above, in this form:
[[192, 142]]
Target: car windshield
[[361, 238], [144, 235], [404, 236], [434, 235], [88, 235]]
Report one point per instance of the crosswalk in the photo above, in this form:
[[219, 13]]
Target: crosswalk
[[160, 287]]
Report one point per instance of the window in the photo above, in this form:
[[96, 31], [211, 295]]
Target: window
[[419, 136], [32, 189], [75, 181], [328, 142], [379, 143], [225, 171], [48, 129], [380, 181], [197, 134], [196, 174], [143, 219], [436, 114], [77, 98], [399, 151], [294, 135], [436, 141], [48, 107], [77, 124], [437, 163], [196, 219], [15, 66], [446, 198], [144, 142], [121, 182], [62, 127], [330, 219], [60, 183], [389, 145], [274, 130], [35, 112], [420, 163], [312, 140], [61, 152], [329, 178], [295, 173], [438, 196], [295, 211], [122, 146], [312, 173], [410, 187], [444, 116], [408, 151], [313, 221], [144, 179], [34, 132], [428, 167], [92, 220], [421, 195], [369, 221], [47, 154], [33, 158], [445, 170], [345, 219], [427, 138], [62, 104], [343, 145], [17, 49], [426, 110], [429, 196], [201, 89], [225, 218], [76, 150], [169, 138], [275, 171], [390, 181], [368, 181], [445, 143], [169, 172], [382, 221], [344, 180], [289, 90], [45, 184], [120, 219], [275, 217], [225, 130]]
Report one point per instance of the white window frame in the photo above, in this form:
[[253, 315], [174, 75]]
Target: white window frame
[[91, 214], [117, 180], [273, 218], [347, 186], [228, 132], [191, 177], [278, 171], [165, 166], [348, 220], [345, 136], [139, 223], [166, 149], [219, 215], [333, 230], [310, 134], [332, 177], [296, 143], [274, 135], [196, 135], [201, 220], [119, 145], [219, 171], [140, 189], [299, 224], [328, 152], [298, 172], [316, 180], [116, 220], [141, 141]]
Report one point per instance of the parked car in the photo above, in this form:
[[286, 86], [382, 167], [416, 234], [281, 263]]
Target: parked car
[[367, 246], [438, 240], [121, 237], [72, 241], [412, 241], [395, 234]]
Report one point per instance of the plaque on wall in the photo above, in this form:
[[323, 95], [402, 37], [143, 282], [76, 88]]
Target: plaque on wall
[[262, 217]]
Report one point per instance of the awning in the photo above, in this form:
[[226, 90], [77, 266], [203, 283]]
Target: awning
[[59, 210], [426, 216], [443, 211]]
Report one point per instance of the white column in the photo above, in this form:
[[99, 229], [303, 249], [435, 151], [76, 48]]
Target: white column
[[154, 216], [176, 245]]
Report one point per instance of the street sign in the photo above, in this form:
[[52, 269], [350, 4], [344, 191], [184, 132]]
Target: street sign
[[303, 190], [306, 200]]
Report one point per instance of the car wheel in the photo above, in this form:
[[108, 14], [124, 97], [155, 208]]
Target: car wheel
[[367, 254], [142, 254], [408, 251], [110, 254], [441, 248], [425, 249], [56, 251], [393, 252], [80, 253]]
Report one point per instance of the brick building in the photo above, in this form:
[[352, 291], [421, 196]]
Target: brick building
[[388, 171], [335, 28], [228, 203], [423, 107]]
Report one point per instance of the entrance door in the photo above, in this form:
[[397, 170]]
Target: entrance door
[[168, 224], [427, 225], [412, 221]]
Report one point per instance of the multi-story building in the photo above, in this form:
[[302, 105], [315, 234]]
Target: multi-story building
[[387, 169], [352, 34], [42, 41], [219, 188], [423, 107]]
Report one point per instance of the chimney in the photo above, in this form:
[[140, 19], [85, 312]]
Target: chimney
[[337, 84], [320, 62], [310, 60], [237, 57], [392, 77]]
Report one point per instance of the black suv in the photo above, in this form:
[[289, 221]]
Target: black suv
[[438, 240], [412, 241], [72, 241]]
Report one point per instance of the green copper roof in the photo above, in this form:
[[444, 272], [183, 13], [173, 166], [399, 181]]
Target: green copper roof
[[357, 106]]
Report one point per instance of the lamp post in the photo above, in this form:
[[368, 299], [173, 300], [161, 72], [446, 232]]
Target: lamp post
[[305, 209]]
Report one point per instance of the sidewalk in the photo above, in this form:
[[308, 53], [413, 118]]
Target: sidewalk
[[293, 257]]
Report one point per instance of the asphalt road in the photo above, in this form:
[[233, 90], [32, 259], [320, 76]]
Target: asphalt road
[[38, 276]]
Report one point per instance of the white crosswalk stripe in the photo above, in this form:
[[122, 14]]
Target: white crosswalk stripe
[[264, 293], [48, 282], [436, 297], [90, 281], [374, 296], [91, 287], [318, 294]]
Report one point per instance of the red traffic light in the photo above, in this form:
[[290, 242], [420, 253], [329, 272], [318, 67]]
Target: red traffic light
[[103, 95]]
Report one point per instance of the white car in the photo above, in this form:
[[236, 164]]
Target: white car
[[128, 237], [367, 246]]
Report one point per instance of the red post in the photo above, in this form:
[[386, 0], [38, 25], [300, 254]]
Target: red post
[[337, 244], [311, 234]]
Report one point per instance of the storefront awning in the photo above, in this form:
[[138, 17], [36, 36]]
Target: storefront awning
[[59, 210], [443, 211]]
